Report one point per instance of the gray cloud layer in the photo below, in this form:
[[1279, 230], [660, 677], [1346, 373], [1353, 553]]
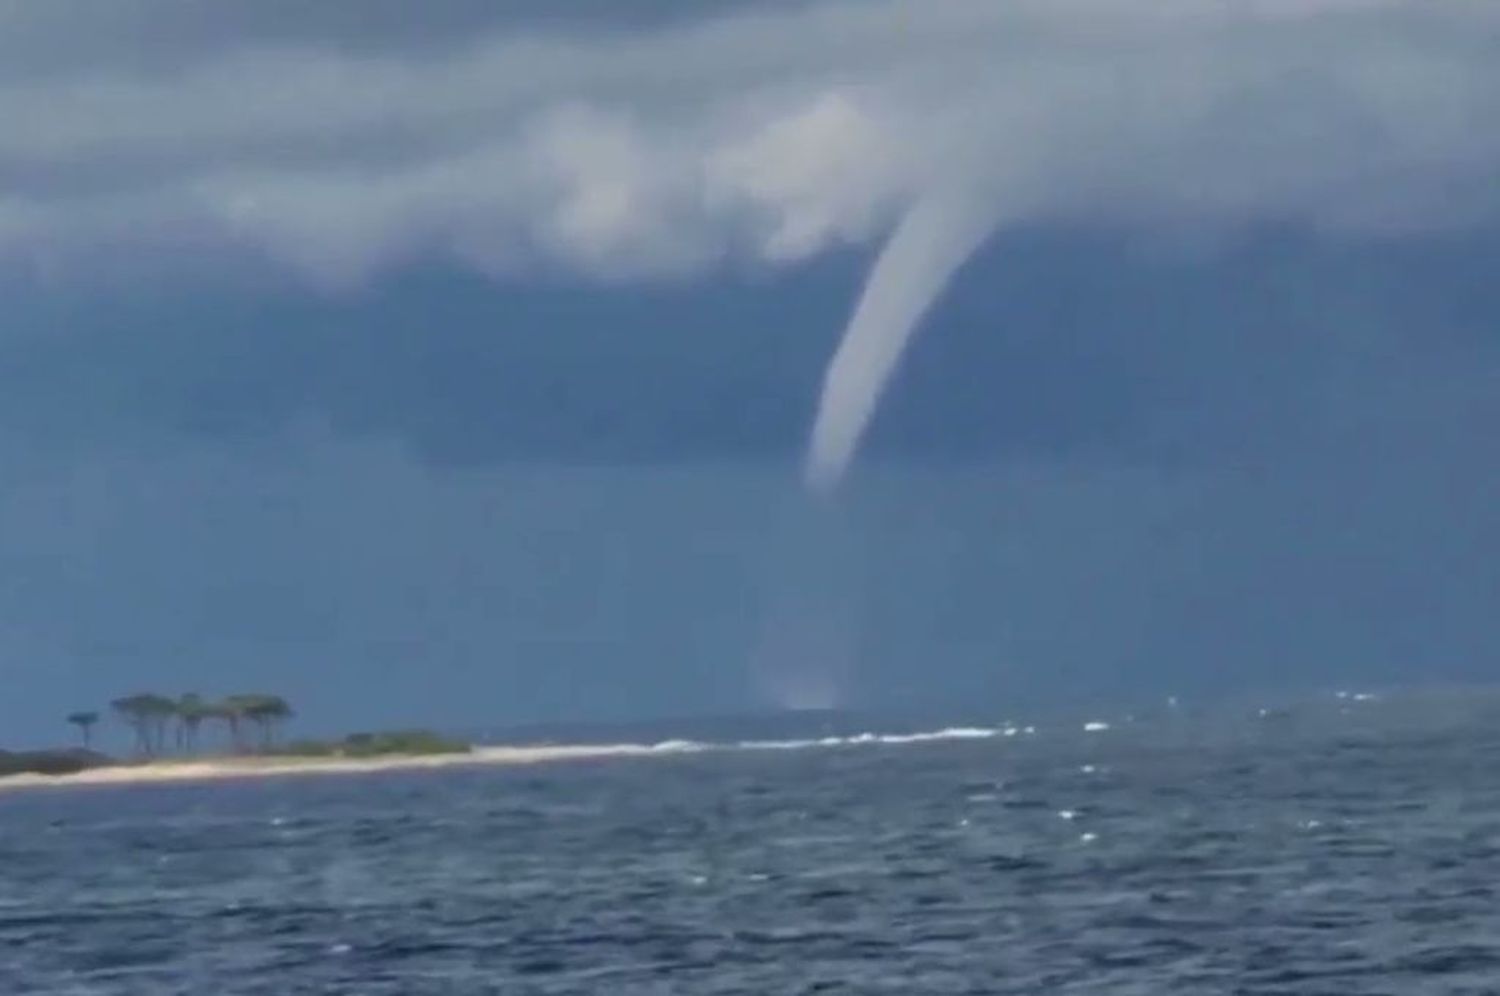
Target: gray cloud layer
[[770, 133]]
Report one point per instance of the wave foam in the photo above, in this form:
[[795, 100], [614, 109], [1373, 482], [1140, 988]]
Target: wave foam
[[229, 768]]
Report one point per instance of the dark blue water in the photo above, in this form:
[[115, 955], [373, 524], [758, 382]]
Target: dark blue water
[[1335, 852]]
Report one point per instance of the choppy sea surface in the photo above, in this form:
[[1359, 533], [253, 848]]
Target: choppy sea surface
[[1344, 846]]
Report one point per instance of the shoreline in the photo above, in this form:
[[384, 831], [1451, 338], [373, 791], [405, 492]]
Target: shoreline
[[232, 768], [1419, 715], [204, 770]]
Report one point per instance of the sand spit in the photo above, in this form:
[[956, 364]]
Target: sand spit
[[267, 767]]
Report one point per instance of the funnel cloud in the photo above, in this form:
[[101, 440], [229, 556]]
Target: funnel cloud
[[474, 347], [932, 241], [630, 150]]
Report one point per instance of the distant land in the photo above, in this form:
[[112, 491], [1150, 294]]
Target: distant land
[[1360, 713], [187, 736]]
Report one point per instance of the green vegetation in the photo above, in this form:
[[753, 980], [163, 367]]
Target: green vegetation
[[192, 712], [192, 726], [50, 762], [146, 714], [150, 716], [400, 742], [85, 722]]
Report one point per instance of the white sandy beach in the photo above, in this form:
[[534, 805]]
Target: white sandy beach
[[264, 767]]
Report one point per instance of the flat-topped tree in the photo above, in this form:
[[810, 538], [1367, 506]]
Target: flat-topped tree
[[85, 722], [132, 713], [160, 711], [147, 714], [231, 712], [266, 712], [274, 712], [192, 710]]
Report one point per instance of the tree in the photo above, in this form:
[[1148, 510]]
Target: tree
[[191, 712], [266, 712], [152, 716], [223, 713], [147, 715], [274, 712], [133, 710], [85, 722], [234, 711], [160, 711]]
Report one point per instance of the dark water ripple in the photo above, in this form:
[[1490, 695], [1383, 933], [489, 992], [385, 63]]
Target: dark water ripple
[[1354, 858]]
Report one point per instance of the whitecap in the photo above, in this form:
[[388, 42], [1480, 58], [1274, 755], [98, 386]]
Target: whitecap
[[776, 744], [950, 733], [678, 747]]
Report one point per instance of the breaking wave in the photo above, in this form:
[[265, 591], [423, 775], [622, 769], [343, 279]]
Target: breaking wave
[[812, 743]]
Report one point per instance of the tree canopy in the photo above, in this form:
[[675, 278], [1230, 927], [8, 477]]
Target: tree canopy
[[150, 716]]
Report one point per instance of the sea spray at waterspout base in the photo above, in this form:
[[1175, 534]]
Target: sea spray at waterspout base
[[808, 642], [934, 238]]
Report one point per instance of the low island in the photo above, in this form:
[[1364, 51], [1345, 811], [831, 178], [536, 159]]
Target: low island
[[189, 738]]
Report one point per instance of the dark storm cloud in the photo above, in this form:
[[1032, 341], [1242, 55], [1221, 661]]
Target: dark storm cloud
[[1077, 345], [153, 36], [1108, 471]]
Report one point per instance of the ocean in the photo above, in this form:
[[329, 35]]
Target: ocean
[[1345, 845]]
